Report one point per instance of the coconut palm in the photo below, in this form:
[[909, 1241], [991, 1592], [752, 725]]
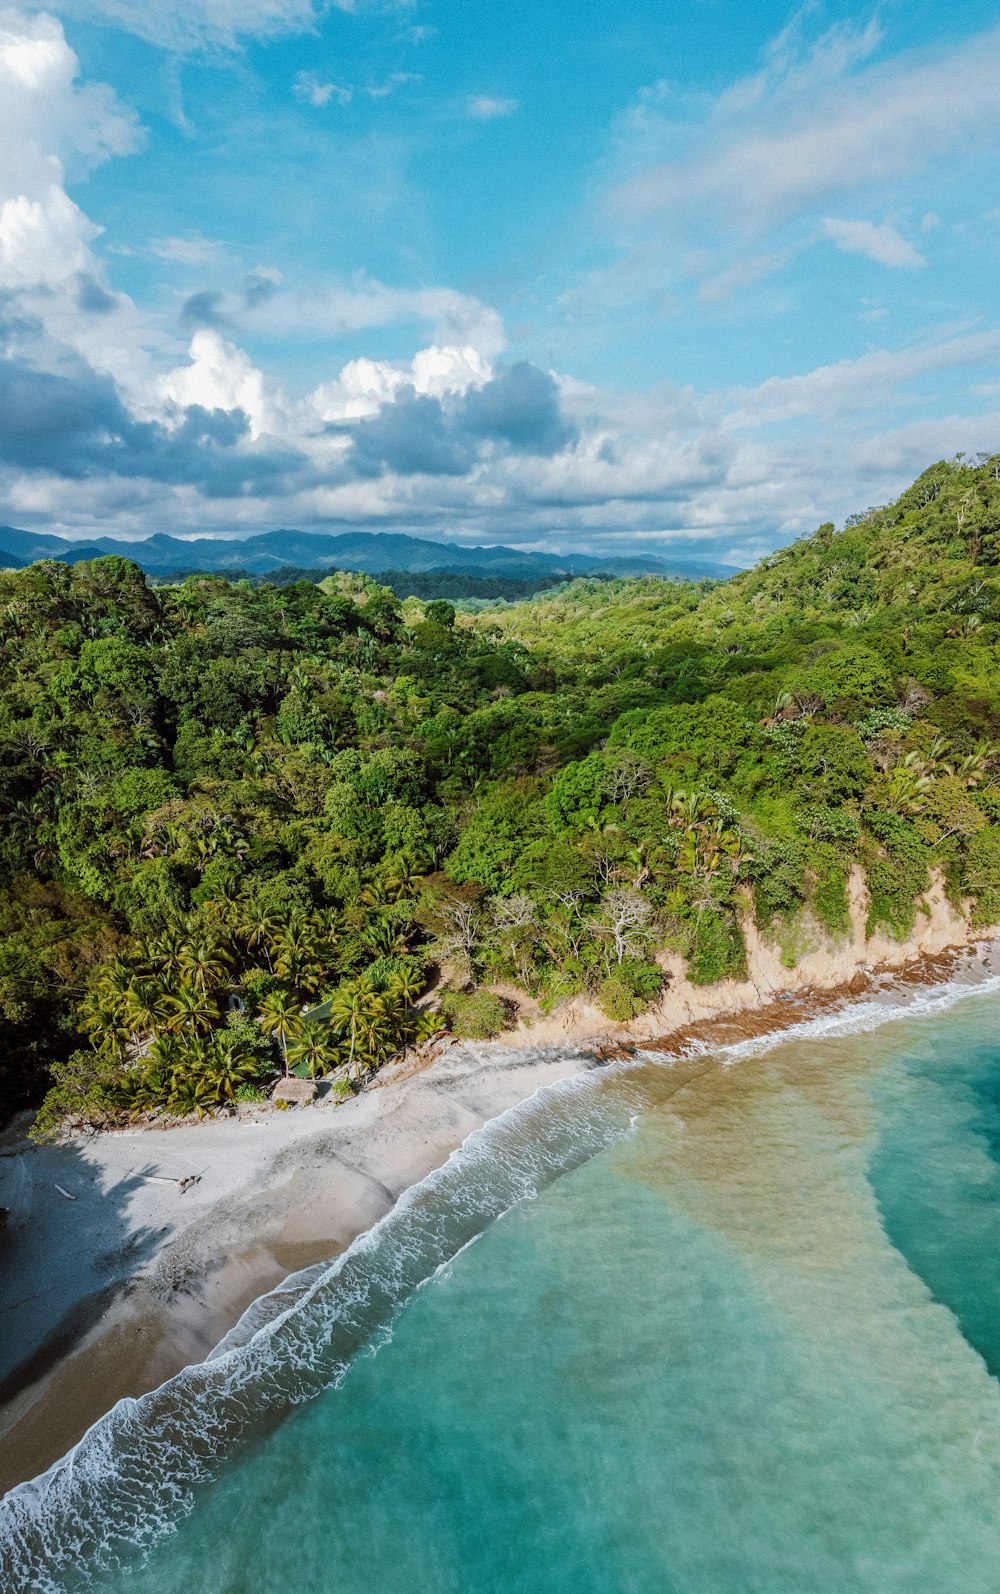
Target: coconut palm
[[143, 1008], [297, 955], [358, 1011], [189, 1010], [406, 982], [258, 929], [204, 964], [163, 955], [228, 1066], [280, 1018], [313, 1046]]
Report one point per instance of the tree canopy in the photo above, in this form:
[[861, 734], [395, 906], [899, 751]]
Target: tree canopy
[[242, 826]]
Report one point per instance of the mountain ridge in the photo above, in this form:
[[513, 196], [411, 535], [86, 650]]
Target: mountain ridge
[[368, 551]]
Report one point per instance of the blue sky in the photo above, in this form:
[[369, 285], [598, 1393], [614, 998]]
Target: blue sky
[[688, 278]]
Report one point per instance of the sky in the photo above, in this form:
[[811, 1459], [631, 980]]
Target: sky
[[687, 278]]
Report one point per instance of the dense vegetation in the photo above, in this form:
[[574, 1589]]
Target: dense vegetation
[[244, 828], [458, 586]]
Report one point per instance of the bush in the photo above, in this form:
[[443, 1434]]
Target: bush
[[982, 875], [629, 989], [475, 1015], [898, 878], [718, 951], [248, 1093], [617, 1000], [829, 893]]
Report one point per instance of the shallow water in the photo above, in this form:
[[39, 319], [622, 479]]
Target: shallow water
[[741, 1339]]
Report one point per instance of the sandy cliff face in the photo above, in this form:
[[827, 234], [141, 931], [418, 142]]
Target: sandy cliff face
[[825, 964]]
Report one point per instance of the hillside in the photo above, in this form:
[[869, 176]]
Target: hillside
[[220, 798]]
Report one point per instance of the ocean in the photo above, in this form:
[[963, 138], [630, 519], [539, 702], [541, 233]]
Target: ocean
[[725, 1325]]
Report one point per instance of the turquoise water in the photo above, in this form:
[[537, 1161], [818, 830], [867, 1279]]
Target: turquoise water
[[743, 1338]]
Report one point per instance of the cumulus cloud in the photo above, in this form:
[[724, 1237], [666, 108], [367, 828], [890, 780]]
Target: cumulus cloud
[[882, 244], [72, 424], [412, 433], [219, 376], [364, 385], [49, 120]]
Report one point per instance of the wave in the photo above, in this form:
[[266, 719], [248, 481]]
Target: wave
[[137, 1471]]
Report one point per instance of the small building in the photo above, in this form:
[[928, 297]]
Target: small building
[[300, 1092]]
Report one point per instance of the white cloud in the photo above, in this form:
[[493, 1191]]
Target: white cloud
[[190, 249], [363, 385], [882, 244], [395, 80], [49, 120], [220, 377], [487, 108], [848, 386], [52, 128], [337, 309], [812, 124], [44, 240], [311, 89], [189, 25]]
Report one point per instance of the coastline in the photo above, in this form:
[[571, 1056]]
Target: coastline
[[108, 1294]]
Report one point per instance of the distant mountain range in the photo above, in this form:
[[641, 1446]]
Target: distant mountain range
[[369, 551]]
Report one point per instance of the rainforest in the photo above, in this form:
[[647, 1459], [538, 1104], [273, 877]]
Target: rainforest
[[251, 829]]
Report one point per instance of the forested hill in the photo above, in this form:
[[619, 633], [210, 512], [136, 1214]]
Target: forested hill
[[223, 805]]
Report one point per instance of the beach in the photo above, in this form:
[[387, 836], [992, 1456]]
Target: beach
[[128, 1272]]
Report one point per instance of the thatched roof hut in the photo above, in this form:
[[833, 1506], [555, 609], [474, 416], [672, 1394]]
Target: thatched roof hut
[[297, 1091]]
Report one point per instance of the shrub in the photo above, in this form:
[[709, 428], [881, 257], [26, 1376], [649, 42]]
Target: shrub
[[248, 1093], [617, 1000], [897, 878], [718, 950], [982, 874], [475, 1015], [630, 988]]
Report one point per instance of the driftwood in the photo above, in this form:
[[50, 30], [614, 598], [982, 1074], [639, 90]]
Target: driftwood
[[182, 1184], [65, 1193]]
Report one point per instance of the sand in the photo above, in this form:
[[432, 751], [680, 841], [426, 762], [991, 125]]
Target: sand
[[113, 1286]]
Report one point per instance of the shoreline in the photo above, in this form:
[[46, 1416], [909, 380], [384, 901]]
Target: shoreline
[[119, 1279]]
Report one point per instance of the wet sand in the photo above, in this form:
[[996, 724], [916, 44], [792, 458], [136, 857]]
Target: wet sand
[[106, 1295]]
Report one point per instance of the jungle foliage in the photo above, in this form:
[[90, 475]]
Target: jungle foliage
[[243, 827]]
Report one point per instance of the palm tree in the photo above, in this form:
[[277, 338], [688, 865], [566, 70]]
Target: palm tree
[[407, 983], [103, 1021], [204, 963], [258, 929], [190, 1010], [280, 1018], [357, 1010], [296, 955], [314, 1046], [144, 1008], [163, 955], [228, 1066]]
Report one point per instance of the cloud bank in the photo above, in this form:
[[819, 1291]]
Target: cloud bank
[[115, 418]]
